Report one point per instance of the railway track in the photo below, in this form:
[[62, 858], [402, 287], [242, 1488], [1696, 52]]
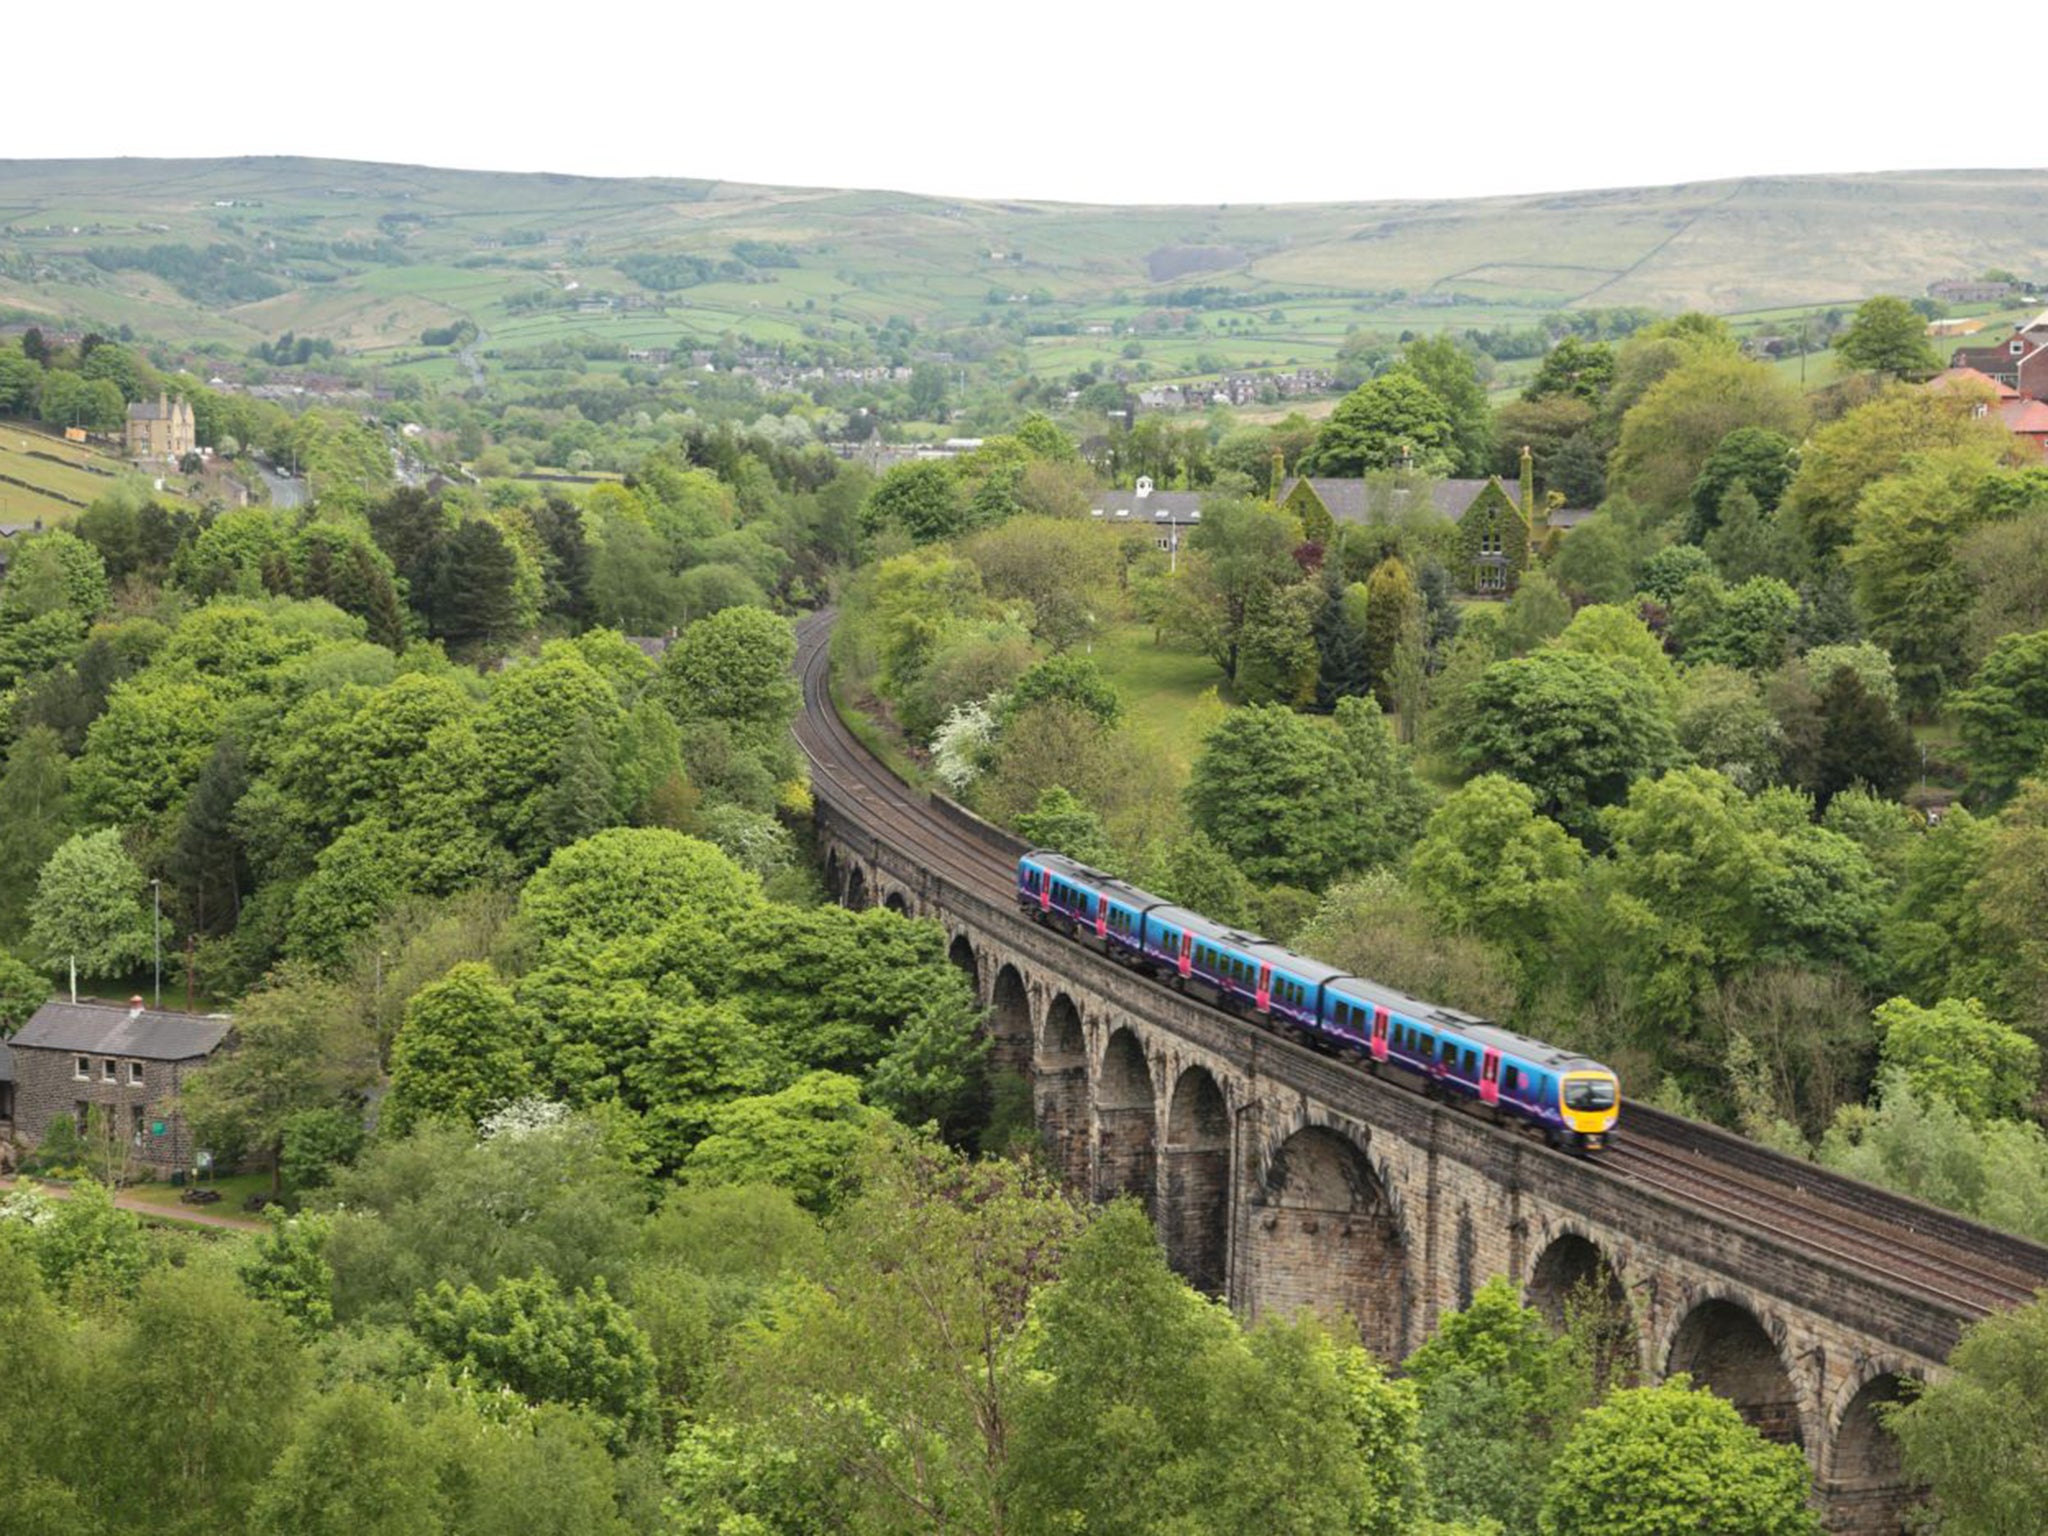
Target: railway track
[[1912, 1247]]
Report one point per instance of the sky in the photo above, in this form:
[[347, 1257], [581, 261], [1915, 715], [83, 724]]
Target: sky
[[1089, 102]]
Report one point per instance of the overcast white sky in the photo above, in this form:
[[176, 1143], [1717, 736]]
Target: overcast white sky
[[1087, 100]]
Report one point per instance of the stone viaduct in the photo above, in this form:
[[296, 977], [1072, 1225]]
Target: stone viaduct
[[1279, 1179]]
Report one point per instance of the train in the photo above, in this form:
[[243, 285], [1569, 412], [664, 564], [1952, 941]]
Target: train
[[1571, 1100]]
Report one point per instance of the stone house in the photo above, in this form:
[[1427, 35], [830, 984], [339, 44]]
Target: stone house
[[126, 1062], [161, 433], [1497, 536]]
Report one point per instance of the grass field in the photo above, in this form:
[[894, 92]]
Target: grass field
[[369, 255], [1170, 692], [33, 486]]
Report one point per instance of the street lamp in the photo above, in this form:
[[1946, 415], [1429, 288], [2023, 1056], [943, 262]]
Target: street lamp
[[156, 892]]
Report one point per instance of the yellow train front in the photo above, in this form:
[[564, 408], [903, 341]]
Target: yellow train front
[[1588, 1104]]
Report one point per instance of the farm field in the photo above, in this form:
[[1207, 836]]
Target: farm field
[[371, 255], [45, 477]]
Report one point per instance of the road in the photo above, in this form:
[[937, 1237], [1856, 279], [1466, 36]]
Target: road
[[196, 1215]]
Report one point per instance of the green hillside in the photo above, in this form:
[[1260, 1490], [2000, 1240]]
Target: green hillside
[[369, 256]]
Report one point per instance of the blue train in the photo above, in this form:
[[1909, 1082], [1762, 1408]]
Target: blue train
[[1572, 1100]]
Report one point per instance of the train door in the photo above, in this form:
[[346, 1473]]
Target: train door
[[1379, 1034], [1102, 918], [1264, 996], [1045, 893], [1489, 1078], [1186, 963]]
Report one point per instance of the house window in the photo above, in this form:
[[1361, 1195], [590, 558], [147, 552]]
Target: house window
[[135, 1074], [135, 1124], [83, 1070], [110, 1071], [80, 1110]]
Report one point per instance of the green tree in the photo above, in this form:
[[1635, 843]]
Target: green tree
[[542, 1191], [1873, 443], [287, 1267], [147, 749], [1300, 800], [580, 1347], [1888, 336], [1488, 864], [1537, 612], [802, 1139], [1724, 723], [356, 1466], [88, 907], [1672, 432], [1075, 680], [923, 499], [1452, 377], [1581, 369], [1747, 541], [1575, 729], [301, 1043], [461, 1052], [1123, 1353], [733, 666], [1681, 907], [1392, 608], [23, 989], [1910, 592], [1855, 740], [1988, 1070], [1974, 1438], [627, 882], [32, 789], [224, 1379], [1241, 553], [883, 1401], [1386, 422], [1066, 825], [1653, 1460], [1760, 461], [472, 602], [1498, 1395], [1616, 635], [2002, 717]]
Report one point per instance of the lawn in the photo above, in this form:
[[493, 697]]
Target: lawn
[[1163, 687], [234, 1188]]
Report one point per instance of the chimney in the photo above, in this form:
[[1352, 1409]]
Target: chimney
[[135, 1006]]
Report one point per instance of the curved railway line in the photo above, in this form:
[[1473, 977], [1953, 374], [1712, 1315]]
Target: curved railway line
[[1910, 1247]]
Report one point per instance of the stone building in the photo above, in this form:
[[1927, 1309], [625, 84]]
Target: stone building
[[161, 433], [128, 1063]]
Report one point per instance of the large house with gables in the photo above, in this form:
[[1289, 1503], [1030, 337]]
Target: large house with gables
[[1497, 533]]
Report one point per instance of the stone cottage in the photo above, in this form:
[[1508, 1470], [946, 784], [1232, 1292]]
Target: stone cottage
[[128, 1063]]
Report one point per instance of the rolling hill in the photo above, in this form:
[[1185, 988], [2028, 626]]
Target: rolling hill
[[370, 255]]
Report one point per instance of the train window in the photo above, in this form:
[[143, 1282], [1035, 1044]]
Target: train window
[[1589, 1093], [1471, 1063], [1450, 1052]]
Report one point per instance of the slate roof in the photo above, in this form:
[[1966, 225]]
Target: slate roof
[[1350, 501], [109, 1029], [1130, 507]]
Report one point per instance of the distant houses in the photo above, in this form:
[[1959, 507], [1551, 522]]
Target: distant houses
[[2020, 360], [2025, 418]]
